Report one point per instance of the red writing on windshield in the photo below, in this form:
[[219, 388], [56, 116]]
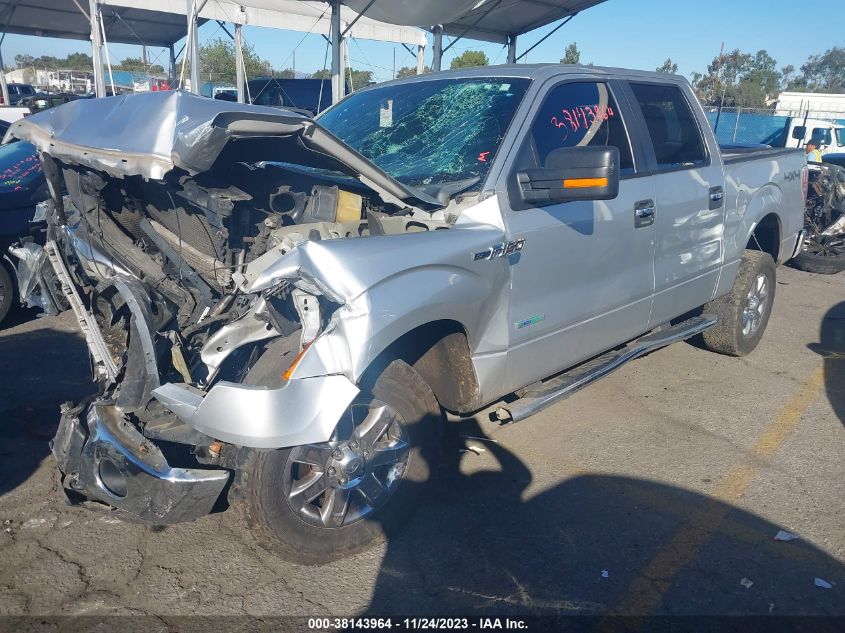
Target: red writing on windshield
[[581, 117]]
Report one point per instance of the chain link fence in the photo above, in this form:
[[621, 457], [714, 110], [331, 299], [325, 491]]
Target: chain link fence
[[761, 125]]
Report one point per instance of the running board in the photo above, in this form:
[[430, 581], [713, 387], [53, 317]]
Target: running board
[[543, 394]]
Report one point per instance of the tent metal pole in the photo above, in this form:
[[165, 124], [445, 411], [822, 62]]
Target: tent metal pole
[[239, 61], [193, 46], [96, 48], [438, 48], [511, 49], [172, 80], [420, 59], [337, 65], [4, 88]]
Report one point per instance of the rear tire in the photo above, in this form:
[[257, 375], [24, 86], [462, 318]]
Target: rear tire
[[743, 312], [272, 488]]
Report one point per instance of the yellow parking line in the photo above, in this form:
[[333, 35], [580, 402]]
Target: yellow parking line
[[645, 592]]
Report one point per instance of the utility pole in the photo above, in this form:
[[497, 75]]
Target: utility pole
[[718, 70]]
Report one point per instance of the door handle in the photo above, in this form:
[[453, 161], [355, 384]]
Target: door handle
[[717, 196], [643, 213]]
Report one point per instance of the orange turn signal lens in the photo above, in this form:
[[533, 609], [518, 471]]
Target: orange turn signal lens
[[289, 371], [581, 183]]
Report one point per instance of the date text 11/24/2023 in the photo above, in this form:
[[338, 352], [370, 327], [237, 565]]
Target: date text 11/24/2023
[[416, 623]]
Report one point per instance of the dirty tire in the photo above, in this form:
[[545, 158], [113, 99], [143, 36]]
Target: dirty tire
[[821, 264], [259, 481], [727, 336], [7, 292]]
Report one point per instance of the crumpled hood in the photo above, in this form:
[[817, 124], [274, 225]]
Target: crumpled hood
[[150, 134]]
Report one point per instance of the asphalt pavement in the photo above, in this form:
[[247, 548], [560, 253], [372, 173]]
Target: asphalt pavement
[[659, 490]]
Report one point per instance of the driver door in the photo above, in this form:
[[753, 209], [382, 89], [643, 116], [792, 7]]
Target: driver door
[[584, 279]]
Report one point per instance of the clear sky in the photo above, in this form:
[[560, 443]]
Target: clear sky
[[630, 33]]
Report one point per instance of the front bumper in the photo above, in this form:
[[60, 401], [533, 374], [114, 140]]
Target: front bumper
[[106, 459], [302, 411]]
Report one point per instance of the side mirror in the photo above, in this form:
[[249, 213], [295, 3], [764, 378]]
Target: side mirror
[[572, 173], [799, 132]]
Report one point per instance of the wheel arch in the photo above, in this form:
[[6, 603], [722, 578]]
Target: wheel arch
[[766, 235], [440, 352]]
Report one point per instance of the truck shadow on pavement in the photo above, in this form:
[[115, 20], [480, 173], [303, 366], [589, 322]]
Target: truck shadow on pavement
[[831, 346], [591, 545], [39, 370]]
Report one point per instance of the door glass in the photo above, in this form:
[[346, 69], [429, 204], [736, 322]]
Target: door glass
[[821, 136], [581, 114], [673, 129]]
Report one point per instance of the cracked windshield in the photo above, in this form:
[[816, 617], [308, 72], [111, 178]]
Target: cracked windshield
[[429, 132]]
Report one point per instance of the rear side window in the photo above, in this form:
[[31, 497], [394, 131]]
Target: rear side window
[[672, 126], [581, 114]]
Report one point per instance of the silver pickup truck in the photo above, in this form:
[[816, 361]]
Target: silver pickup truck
[[280, 309]]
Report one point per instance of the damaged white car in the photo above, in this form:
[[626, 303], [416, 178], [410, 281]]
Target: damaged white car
[[278, 309]]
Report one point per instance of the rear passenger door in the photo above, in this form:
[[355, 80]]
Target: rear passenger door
[[689, 196]]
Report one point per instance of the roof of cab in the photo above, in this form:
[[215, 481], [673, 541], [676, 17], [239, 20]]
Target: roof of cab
[[537, 71]]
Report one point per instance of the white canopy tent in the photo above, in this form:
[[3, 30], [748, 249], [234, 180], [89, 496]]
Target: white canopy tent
[[156, 22], [325, 18]]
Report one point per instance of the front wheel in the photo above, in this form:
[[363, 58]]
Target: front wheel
[[743, 312], [315, 503], [7, 291]]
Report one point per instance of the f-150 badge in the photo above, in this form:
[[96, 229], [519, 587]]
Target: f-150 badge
[[500, 250]]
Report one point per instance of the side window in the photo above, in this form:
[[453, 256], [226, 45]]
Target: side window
[[672, 126], [821, 135], [581, 114]]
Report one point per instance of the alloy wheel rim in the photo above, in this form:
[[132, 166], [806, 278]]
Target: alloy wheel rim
[[756, 303], [336, 483]]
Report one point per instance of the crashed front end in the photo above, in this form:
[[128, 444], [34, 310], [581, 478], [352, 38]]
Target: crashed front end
[[180, 249]]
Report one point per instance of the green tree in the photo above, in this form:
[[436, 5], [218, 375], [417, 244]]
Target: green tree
[[668, 67], [571, 55], [137, 65], [358, 78], [470, 59], [217, 62], [409, 71], [739, 79], [823, 73]]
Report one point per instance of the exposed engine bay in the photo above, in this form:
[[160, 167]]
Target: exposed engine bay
[[219, 269], [183, 239]]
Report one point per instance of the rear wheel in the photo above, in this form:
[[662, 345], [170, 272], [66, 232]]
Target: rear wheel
[[743, 312], [319, 502]]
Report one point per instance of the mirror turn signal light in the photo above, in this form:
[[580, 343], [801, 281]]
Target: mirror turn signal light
[[583, 183]]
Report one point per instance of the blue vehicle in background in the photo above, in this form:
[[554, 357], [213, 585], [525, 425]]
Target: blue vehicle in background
[[22, 187]]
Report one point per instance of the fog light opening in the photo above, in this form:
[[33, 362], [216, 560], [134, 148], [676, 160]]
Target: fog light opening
[[111, 478]]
